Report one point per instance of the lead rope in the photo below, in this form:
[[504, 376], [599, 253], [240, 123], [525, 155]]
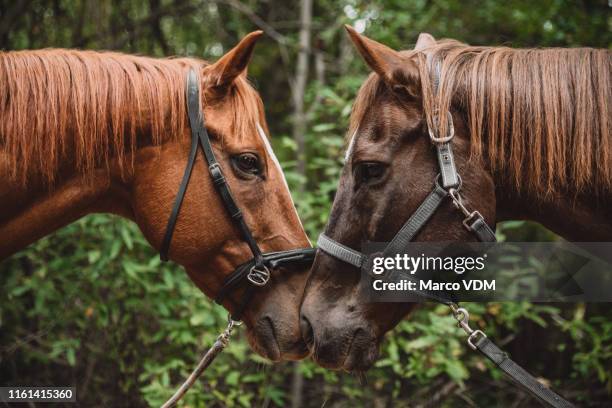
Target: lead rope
[[221, 343], [479, 341], [474, 222]]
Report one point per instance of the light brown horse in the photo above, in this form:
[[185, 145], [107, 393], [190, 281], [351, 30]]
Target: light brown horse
[[531, 142], [84, 132]]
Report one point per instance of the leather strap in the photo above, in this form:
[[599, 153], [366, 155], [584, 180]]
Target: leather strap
[[525, 380], [446, 162], [178, 201], [198, 126], [281, 258], [272, 260], [199, 135]]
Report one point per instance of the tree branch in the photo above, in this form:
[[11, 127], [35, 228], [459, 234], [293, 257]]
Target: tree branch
[[280, 39], [319, 63]]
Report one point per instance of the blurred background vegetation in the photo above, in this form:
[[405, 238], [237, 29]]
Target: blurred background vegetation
[[91, 305]]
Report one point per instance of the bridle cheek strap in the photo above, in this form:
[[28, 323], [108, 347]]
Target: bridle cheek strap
[[417, 220], [257, 270], [201, 138]]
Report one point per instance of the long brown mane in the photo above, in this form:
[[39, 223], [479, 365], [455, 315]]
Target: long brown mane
[[539, 116], [99, 105]]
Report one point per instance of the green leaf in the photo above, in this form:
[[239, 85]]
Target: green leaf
[[232, 378], [71, 357]]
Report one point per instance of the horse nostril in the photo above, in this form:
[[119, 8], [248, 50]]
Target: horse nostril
[[307, 332]]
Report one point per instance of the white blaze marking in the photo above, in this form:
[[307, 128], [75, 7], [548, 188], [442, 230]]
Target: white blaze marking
[[349, 149], [270, 152]]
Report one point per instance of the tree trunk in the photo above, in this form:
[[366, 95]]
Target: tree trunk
[[301, 76]]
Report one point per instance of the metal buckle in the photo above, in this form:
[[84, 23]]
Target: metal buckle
[[470, 339], [259, 276], [216, 173], [474, 214], [451, 129]]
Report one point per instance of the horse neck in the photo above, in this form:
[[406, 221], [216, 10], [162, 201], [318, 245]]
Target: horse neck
[[33, 211], [50, 189], [575, 217], [37, 207]]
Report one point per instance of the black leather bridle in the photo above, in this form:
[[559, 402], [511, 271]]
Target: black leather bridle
[[255, 272]]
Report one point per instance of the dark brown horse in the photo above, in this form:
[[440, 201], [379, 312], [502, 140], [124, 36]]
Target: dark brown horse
[[531, 142], [84, 132]]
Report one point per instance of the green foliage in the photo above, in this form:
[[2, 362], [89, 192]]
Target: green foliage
[[91, 305]]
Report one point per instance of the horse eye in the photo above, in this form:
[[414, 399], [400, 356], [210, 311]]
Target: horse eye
[[247, 163], [370, 171]]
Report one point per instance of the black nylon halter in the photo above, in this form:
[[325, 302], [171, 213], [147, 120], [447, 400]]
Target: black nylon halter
[[257, 270], [473, 222], [449, 187]]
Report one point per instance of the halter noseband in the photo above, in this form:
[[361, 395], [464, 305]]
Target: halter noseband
[[257, 270]]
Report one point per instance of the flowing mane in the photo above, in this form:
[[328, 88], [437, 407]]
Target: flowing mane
[[539, 116], [84, 108]]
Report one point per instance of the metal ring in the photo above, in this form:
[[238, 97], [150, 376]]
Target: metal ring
[[437, 182], [451, 129], [259, 277]]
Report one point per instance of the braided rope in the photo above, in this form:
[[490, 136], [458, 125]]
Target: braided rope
[[221, 343]]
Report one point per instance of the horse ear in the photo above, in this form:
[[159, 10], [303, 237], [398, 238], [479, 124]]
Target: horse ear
[[396, 71], [425, 41], [234, 62], [380, 58]]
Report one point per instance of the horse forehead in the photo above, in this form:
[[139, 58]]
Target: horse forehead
[[391, 117], [367, 138], [389, 125], [246, 138]]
